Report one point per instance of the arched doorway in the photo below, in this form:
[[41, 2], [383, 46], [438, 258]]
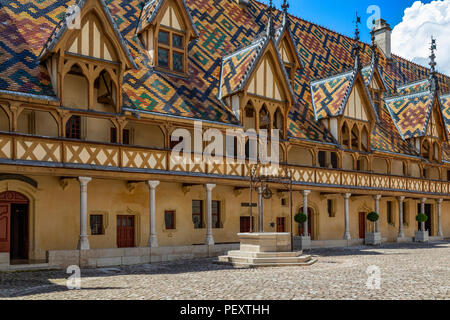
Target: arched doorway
[[14, 221], [310, 224]]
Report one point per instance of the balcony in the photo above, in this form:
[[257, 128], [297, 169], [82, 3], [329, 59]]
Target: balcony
[[33, 151]]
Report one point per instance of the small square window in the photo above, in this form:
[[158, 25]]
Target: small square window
[[163, 37], [177, 41], [163, 58], [284, 202], [96, 223], [169, 220], [178, 62]]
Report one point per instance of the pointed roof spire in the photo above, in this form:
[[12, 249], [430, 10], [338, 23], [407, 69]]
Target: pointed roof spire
[[356, 48], [433, 79], [285, 8], [373, 46], [271, 23]]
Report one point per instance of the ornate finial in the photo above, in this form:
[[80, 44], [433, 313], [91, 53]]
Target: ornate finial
[[285, 8], [270, 24], [357, 23], [433, 55], [356, 49], [373, 46], [433, 79]]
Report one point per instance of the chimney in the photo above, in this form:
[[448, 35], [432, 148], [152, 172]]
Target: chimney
[[243, 3], [382, 31]]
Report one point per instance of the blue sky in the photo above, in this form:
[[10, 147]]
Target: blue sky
[[339, 15]]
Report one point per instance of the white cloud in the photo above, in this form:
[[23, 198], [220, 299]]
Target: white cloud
[[411, 38]]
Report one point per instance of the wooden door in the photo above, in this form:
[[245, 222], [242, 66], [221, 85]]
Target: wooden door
[[281, 223], [5, 227], [245, 224], [125, 231], [362, 225], [19, 231]]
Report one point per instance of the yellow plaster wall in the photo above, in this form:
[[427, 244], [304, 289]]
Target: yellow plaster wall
[[55, 216]]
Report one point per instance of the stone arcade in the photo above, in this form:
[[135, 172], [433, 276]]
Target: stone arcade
[[88, 106]]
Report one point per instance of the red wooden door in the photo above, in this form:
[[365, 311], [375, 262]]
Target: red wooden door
[[362, 225], [5, 227], [281, 222], [125, 231]]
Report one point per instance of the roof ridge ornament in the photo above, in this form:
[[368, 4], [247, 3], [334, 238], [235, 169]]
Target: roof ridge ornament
[[356, 48], [434, 86], [271, 22], [285, 7], [373, 47]]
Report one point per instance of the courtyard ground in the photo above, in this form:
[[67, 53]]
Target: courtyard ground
[[406, 271]]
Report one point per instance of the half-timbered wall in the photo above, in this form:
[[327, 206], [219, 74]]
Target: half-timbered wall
[[265, 82]]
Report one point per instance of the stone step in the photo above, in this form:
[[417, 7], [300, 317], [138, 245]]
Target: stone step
[[309, 262], [28, 267], [269, 260], [264, 254]]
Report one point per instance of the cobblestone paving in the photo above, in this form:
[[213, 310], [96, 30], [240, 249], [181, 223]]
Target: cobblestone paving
[[410, 271]]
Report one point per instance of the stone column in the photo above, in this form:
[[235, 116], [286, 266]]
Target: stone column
[[401, 234], [209, 236], [83, 243], [305, 211], [153, 240], [439, 214], [260, 210], [422, 208], [377, 210], [346, 209]]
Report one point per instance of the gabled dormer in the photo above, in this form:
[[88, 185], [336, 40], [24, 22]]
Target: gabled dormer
[[375, 84], [288, 52], [344, 105], [165, 29], [86, 57], [255, 85], [419, 119]]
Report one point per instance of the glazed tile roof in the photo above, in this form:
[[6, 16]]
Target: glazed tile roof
[[222, 27], [415, 87], [411, 112], [237, 67], [445, 107], [330, 95]]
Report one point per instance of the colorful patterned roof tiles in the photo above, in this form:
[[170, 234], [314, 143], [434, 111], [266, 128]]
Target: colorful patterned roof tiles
[[222, 27], [236, 67], [329, 95], [411, 113], [414, 87]]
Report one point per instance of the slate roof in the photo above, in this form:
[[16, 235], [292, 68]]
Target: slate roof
[[223, 27]]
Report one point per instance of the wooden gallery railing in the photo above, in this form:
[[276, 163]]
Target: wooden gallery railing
[[30, 150]]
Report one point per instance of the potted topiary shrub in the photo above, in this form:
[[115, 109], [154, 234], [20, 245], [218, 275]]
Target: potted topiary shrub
[[374, 237], [301, 241], [421, 235]]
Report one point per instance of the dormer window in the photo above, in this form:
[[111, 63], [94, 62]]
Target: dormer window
[[171, 50], [166, 33]]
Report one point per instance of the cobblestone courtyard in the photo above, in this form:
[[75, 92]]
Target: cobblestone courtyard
[[409, 271]]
